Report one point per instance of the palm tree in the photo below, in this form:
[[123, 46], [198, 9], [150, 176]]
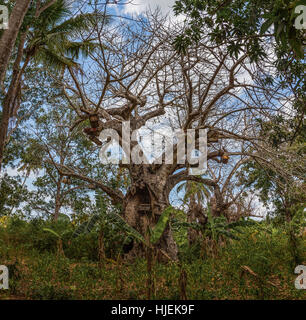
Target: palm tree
[[194, 192], [194, 196], [47, 41], [50, 39]]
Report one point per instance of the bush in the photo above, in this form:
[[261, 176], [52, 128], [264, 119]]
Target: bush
[[258, 266]]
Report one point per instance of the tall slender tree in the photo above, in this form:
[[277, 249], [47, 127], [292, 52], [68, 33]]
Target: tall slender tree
[[47, 40], [9, 36]]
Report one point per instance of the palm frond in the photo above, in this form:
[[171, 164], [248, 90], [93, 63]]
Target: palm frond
[[73, 25], [51, 41], [74, 49], [52, 59], [54, 14]]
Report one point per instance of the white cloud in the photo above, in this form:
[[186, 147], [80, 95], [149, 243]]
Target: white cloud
[[12, 172], [139, 6]]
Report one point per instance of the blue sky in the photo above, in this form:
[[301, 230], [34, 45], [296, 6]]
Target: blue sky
[[135, 7]]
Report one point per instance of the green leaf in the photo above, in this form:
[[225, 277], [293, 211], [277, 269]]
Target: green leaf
[[242, 223], [53, 232], [228, 234], [161, 225], [121, 223], [266, 25], [63, 218], [87, 226]]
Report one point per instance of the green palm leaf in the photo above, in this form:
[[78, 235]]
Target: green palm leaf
[[52, 38]]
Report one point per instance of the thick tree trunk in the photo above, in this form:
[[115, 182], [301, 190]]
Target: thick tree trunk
[[141, 211], [9, 36], [8, 107], [218, 205], [196, 214]]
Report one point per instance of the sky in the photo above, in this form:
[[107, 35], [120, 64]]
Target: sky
[[135, 7], [139, 6]]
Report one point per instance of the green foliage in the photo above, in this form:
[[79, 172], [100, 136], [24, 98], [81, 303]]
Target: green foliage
[[87, 226], [53, 232], [266, 252], [298, 222], [161, 225], [241, 24], [216, 227], [52, 141], [40, 274], [286, 194], [194, 190], [52, 33], [13, 192], [115, 219]]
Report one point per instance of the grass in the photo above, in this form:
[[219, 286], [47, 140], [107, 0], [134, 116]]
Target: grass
[[259, 266]]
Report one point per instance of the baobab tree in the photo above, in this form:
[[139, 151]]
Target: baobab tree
[[136, 76]]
